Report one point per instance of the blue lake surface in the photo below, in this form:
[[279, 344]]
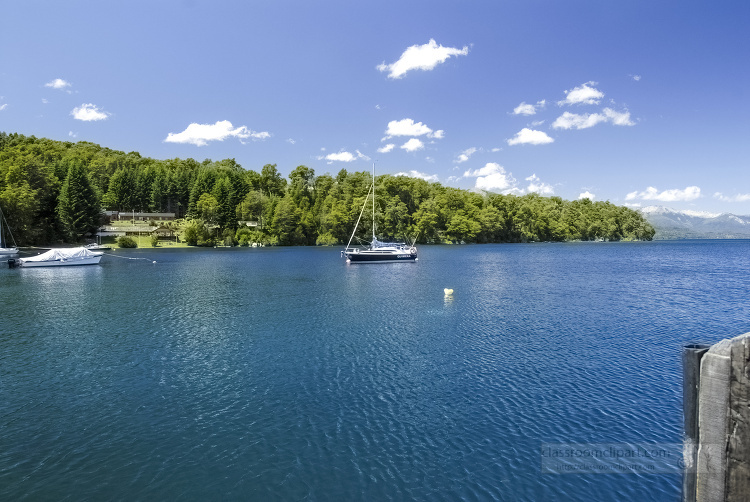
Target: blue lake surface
[[286, 374]]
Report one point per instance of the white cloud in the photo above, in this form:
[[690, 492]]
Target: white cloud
[[673, 195], [742, 197], [492, 177], [421, 57], [583, 121], [412, 145], [527, 109], [59, 84], [3, 106], [341, 157], [44, 101], [586, 195], [407, 127], [618, 118], [201, 134], [637, 78], [72, 134], [89, 112], [361, 155], [464, 156], [417, 174], [387, 148], [291, 141], [582, 95], [536, 185], [575, 121], [528, 136]]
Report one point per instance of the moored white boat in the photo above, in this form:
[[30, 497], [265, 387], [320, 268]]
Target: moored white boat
[[5, 250], [59, 257], [377, 251], [382, 251]]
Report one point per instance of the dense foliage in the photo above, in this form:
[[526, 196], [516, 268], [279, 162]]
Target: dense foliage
[[53, 190]]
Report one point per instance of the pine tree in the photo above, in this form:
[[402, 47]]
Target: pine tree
[[78, 206]]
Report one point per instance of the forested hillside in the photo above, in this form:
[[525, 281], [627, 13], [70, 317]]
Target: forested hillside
[[53, 190]]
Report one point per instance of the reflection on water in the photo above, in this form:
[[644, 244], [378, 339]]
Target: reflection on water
[[286, 374]]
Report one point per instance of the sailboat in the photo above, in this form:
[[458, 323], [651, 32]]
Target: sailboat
[[377, 251], [5, 250]]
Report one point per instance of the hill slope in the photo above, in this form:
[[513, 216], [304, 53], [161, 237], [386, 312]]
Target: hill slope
[[671, 224]]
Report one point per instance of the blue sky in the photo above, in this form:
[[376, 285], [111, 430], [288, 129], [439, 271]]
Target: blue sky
[[635, 102]]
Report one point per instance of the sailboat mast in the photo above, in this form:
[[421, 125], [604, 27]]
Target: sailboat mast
[[373, 202]]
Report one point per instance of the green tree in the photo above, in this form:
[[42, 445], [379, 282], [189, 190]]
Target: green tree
[[226, 215], [78, 205], [271, 182], [19, 203], [208, 208], [253, 207]]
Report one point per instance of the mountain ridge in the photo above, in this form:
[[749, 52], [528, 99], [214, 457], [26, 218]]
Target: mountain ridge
[[673, 224]]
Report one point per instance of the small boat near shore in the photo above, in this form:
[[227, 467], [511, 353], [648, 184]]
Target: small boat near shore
[[59, 257], [97, 247], [5, 250], [377, 251]]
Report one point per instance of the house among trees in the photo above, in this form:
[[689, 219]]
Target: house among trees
[[130, 216], [162, 232]]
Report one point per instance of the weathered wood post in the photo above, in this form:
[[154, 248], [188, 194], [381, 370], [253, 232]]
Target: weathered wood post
[[722, 470], [691, 373]]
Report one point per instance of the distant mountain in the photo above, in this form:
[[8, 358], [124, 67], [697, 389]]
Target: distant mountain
[[671, 224]]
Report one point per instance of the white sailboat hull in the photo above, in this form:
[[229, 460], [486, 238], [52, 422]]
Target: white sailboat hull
[[63, 257], [61, 263]]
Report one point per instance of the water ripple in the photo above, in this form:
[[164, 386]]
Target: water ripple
[[282, 374]]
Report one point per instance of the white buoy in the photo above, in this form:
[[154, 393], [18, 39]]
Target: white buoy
[[448, 292]]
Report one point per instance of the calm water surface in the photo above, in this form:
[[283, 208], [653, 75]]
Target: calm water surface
[[285, 374]]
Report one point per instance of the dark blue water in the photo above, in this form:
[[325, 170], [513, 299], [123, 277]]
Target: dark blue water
[[285, 374]]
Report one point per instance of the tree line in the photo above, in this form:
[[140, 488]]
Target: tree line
[[54, 191]]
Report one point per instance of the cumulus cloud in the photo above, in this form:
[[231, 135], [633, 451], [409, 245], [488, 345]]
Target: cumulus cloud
[[536, 185], [527, 109], [417, 174], [412, 145], [637, 78], [59, 84], [343, 156], [3, 106], [528, 136], [492, 177], [89, 112], [583, 121], [421, 57], [465, 155], [586, 195], [201, 134], [387, 148], [742, 197], [673, 195], [407, 127], [584, 94]]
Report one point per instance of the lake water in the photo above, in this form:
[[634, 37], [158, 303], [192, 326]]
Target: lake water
[[286, 374]]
